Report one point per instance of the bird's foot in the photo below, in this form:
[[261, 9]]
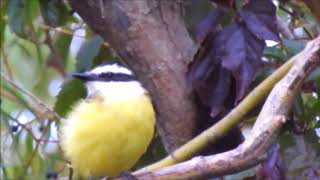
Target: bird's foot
[[98, 178], [128, 176]]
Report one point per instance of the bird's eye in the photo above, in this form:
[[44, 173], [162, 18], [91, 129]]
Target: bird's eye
[[108, 74]]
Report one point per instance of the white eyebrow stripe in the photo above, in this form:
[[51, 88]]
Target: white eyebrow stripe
[[114, 68]]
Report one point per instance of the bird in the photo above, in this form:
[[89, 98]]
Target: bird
[[107, 132]]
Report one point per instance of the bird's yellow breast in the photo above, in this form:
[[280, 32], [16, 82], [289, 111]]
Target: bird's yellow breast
[[103, 138]]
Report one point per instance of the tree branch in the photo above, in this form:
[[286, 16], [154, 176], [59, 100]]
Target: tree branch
[[314, 6], [234, 117], [264, 132], [251, 152], [284, 30]]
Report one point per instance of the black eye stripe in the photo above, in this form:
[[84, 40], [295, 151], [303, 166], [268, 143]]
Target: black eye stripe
[[105, 77], [109, 76]]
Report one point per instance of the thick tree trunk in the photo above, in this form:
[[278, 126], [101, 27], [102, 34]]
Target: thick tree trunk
[[151, 38]]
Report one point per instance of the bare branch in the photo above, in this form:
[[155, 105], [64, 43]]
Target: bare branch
[[251, 152], [284, 30]]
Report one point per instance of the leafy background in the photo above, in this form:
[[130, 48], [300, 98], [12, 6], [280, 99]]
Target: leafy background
[[43, 41]]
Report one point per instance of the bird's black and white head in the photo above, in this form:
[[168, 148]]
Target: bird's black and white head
[[110, 80]]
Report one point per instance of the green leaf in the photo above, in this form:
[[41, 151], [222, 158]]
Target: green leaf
[[314, 107], [274, 52], [71, 92], [28, 149], [63, 43], [88, 51], [54, 13], [2, 29], [13, 172], [20, 98], [315, 75], [40, 89], [8, 105], [298, 106], [293, 46], [38, 166], [3, 10], [20, 16]]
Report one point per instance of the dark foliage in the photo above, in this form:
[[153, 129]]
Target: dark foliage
[[227, 61], [230, 55], [208, 25]]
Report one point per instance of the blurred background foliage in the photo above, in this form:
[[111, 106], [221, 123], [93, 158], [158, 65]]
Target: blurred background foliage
[[43, 41]]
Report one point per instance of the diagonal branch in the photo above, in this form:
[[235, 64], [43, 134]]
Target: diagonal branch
[[264, 133], [251, 152]]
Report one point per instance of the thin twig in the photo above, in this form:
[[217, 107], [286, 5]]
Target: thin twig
[[34, 152], [65, 31], [6, 63], [41, 108], [60, 30], [284, 30], [24, 126]]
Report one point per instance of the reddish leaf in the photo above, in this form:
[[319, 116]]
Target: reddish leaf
[[233, 49], [273, 167], [232, 54], [227, 61], [208, 25], [221, 92], [240, 52], [213, 88], [260, 18]]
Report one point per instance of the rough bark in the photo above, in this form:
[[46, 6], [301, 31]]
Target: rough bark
[[314, 6], [151, 38]]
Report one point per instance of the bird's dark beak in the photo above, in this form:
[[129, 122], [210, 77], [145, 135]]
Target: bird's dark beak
[[82, 76]]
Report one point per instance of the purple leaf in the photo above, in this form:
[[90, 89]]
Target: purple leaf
[[234, 50], [227, 60], [221, 92], [208, 24], [260, 18], [273, 167], [240, 52]]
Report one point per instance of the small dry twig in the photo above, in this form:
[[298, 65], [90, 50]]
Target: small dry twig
[[39, 107]]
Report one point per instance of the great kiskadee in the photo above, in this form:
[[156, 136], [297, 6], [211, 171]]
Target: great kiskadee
[[107, 132]]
